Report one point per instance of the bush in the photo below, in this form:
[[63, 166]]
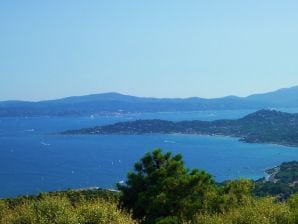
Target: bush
[[102, 212], [58, 209], [293, 204], [256, 211], [53, 210]]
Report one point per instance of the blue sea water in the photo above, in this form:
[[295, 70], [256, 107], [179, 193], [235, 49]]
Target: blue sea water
[[35, 159]]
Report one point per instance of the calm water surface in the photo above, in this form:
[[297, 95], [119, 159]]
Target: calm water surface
[[33, 160]]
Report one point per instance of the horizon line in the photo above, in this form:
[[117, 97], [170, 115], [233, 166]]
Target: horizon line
[[137, 96]]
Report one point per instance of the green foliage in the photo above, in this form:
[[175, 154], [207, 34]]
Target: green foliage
[[102, 212], [293, 204], [282, 183], [161, 186], [233, 194], [254, 211], [58, 209], [74, 196], [168, 220], [160, 191], [278, 189], [288, 172], [3, 209], [53, 209]]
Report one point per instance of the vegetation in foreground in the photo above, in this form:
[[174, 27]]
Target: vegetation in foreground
[[70, 207], [162, 190], [159, 191]]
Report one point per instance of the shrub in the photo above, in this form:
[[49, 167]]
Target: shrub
[[293, 204], [256, 211], [102, 212], [48, 209]]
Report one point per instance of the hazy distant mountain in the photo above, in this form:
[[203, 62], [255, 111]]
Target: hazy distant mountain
[[287, 97], [115, 103]]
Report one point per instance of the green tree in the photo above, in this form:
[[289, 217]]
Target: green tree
[[233, 194], [162, 188]]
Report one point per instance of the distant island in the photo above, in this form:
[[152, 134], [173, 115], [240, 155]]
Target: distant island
[[263, 126], [115, 103]]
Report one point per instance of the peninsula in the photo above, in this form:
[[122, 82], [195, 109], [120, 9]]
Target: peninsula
[[281, 182], [263, 126]]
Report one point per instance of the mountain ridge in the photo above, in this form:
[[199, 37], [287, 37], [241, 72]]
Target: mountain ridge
[[113, 102]]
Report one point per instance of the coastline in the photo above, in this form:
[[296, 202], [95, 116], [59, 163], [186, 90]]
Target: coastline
[[270, 173], [239, 138]]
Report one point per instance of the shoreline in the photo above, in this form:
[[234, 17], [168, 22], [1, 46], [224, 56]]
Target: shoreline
[[239, 138], [270, 173]]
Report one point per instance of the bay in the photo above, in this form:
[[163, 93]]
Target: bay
[[34, 159]]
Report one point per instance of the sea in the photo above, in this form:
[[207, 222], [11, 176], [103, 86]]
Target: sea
[[34, 158]]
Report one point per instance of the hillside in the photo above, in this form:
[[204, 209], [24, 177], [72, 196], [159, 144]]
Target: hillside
[[264, 126], [281, 182], [286, 97], [108, 103]]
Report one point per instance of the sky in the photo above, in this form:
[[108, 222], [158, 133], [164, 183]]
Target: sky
[[161, 48]]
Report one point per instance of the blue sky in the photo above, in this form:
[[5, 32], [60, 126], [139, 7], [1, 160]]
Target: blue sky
[[207, 48]]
